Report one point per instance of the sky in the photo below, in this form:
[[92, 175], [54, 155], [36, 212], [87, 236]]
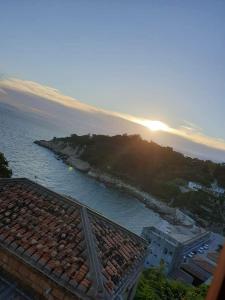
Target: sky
[[157, 60]]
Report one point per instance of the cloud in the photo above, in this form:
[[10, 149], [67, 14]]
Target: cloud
[[36, 89], [190, 127], [2, 92], [200, 137], [186, 130]]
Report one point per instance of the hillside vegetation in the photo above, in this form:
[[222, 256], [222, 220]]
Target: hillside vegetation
[[145, 164], [153, 285], [157, 170]]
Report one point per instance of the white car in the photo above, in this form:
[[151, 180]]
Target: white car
[[190, 255]]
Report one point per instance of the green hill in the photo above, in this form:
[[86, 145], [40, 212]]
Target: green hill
[[154, 169], [145, 164]]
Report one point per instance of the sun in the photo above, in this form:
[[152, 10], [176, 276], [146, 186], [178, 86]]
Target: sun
[[155, 125]]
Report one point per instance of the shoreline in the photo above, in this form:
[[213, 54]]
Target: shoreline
[[172, 215], [70, 156]]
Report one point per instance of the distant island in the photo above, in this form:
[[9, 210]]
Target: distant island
[[147, 169]]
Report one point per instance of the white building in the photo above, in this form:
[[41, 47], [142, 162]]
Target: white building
[[214, 189], [194, 186], [169, 245], [217, 190]]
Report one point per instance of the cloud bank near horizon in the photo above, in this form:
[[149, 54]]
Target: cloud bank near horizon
[[186, 130]]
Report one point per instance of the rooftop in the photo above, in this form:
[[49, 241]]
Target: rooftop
[[204, 264], [213, 256], [195, 270], [179, 233], [71, 244], [180, 275]]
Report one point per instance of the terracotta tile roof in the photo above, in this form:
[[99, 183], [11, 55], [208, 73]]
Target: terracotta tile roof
[[71, 244]]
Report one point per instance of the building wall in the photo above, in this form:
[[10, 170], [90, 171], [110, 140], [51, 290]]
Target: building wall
[[29, 278], [161, 250], [164, 249]]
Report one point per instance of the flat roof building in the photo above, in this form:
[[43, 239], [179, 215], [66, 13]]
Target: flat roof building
[[200, 269], [195, 271], [61, 249], [169, 244]]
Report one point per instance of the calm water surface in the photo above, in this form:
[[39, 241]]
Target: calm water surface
[[17, 133]]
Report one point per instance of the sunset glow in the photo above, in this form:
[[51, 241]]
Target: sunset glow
[[155, 125], [186, 130]]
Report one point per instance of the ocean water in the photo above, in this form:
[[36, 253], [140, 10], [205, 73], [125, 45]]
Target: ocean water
[[17, 133]]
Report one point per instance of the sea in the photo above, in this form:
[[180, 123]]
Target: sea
[[19, 130]]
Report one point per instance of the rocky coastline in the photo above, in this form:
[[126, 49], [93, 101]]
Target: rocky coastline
[[71, 157]]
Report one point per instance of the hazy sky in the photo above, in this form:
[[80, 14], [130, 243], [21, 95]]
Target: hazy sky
[[162, 60]]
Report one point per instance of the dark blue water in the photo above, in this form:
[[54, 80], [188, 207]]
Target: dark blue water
[[17, 133]]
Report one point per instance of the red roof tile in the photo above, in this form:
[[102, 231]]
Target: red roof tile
[[73, 245]]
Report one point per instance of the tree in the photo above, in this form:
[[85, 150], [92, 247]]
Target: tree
[[154, 285], [220, 174], [5, 172]]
